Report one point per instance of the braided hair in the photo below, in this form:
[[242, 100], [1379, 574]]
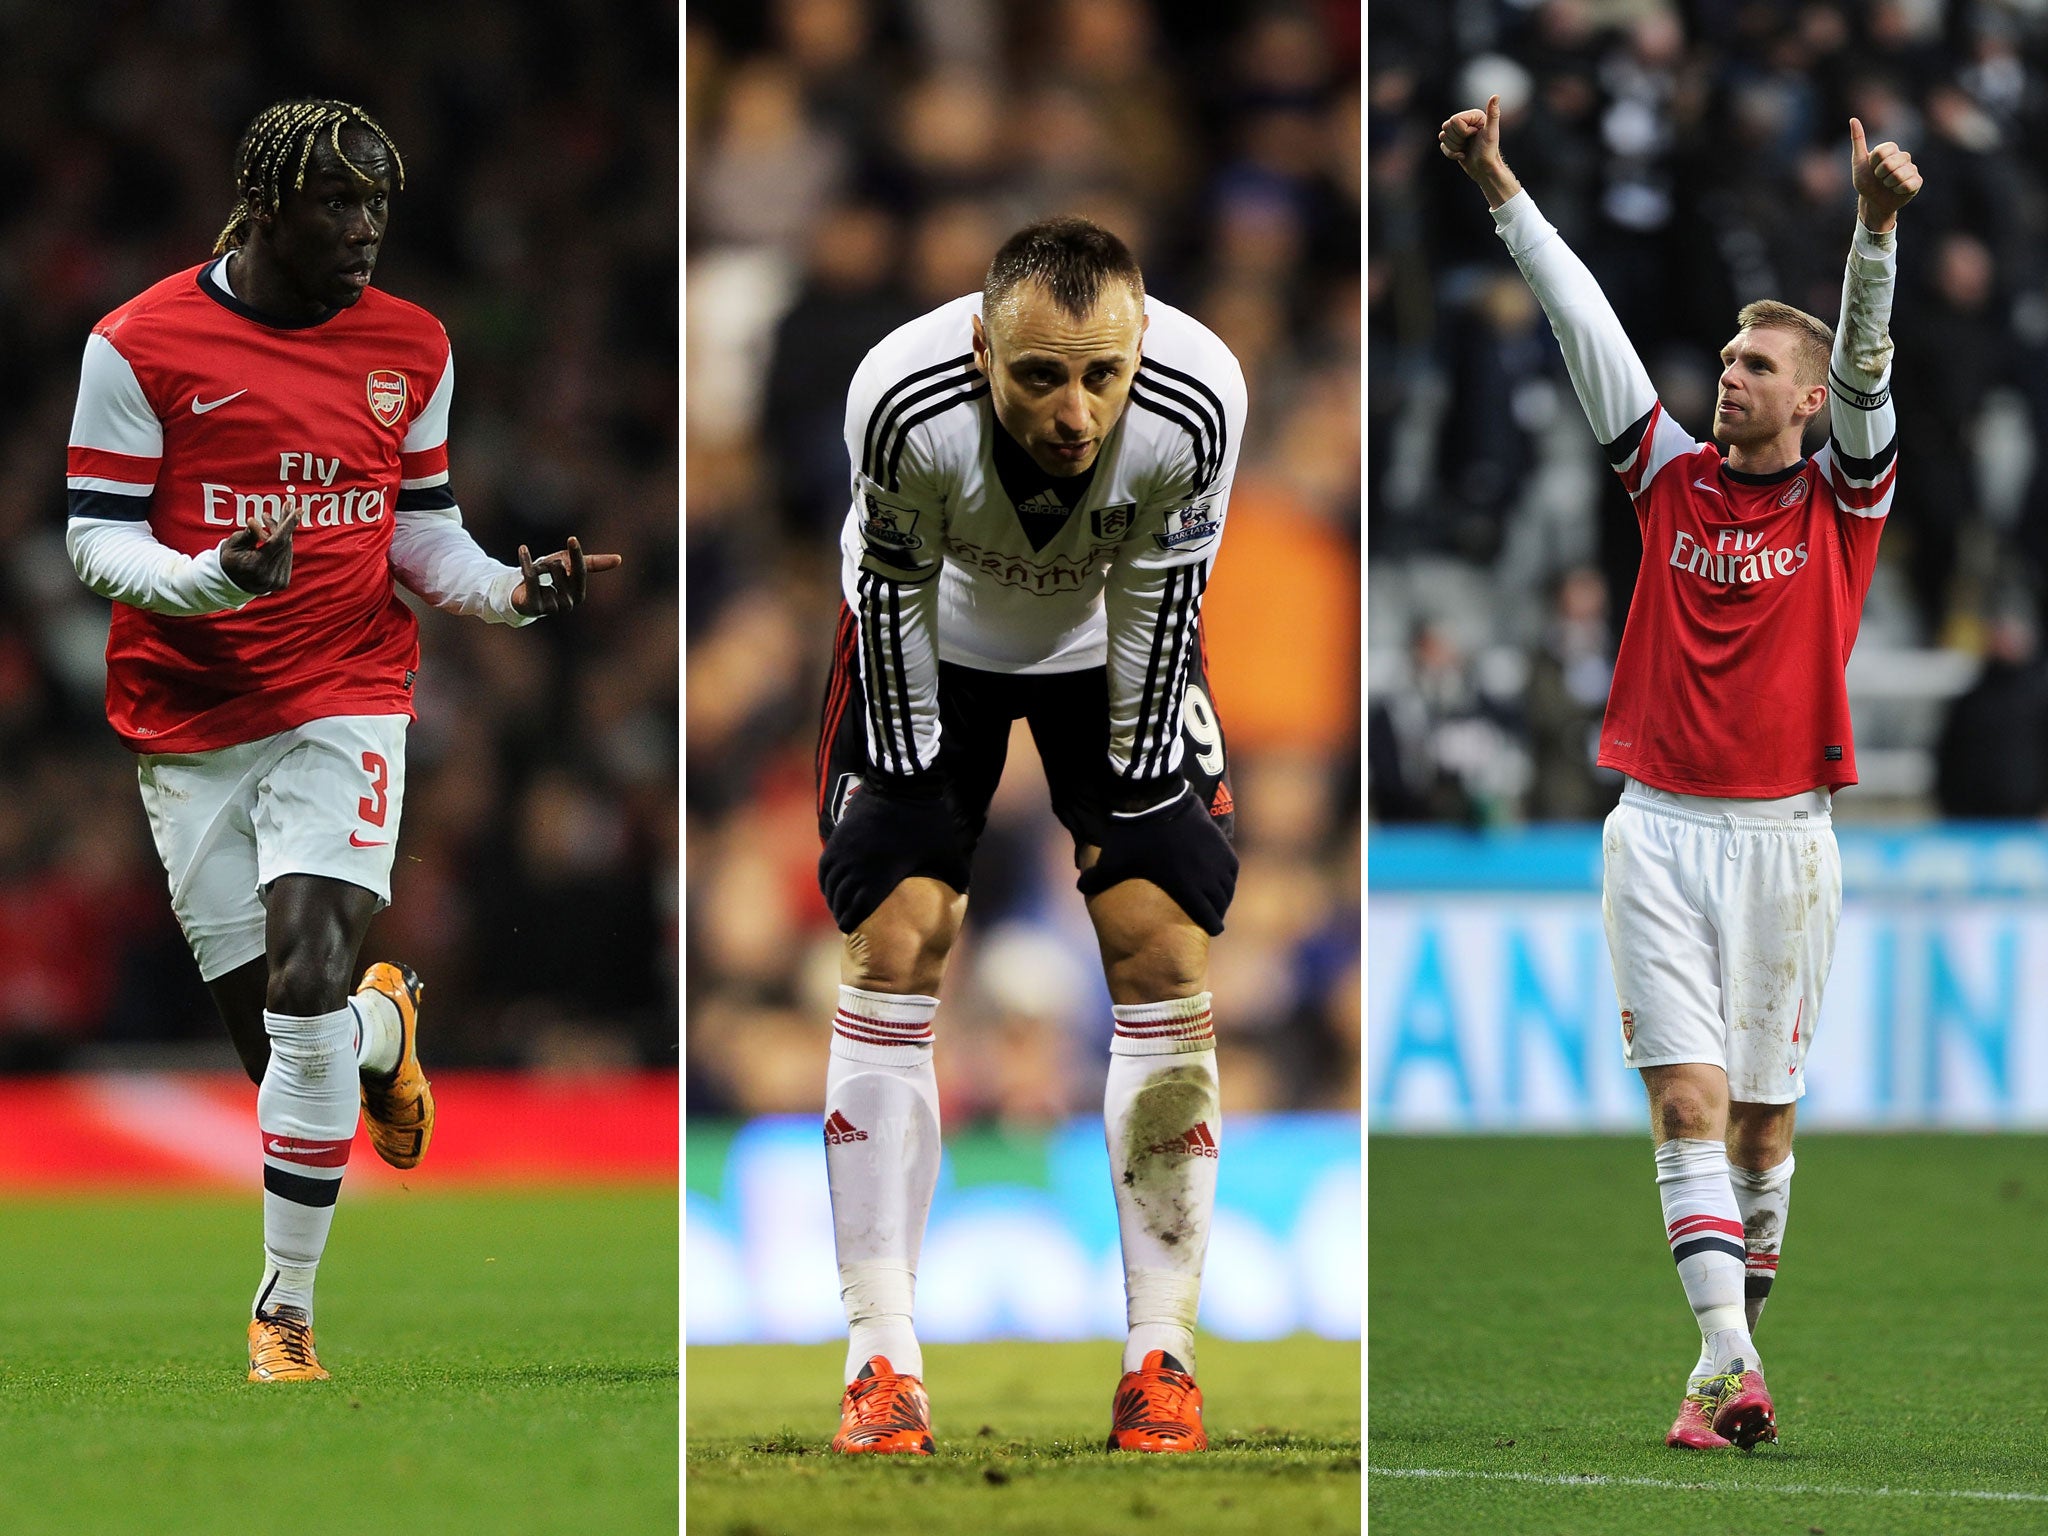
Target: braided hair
[[279, 143]]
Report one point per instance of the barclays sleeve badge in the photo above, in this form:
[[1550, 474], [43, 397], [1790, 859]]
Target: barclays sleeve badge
[[889, 526], [1190, 525]]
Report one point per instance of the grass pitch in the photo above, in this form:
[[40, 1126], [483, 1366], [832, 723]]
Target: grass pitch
[[502, 1363], [1020, 1431], [1530, 1339]]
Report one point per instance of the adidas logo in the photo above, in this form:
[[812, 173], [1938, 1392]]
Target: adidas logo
[[840, 1129], [1046, 501], [1196, 1141]]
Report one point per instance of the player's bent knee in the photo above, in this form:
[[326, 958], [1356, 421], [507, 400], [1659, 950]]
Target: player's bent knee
[[309, 979], [1152, 952], [902, 947]]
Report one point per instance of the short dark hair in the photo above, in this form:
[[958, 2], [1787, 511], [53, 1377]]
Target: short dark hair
[[1071, 257], [279, 144]]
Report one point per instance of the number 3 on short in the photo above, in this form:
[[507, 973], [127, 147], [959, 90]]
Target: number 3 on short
[[1198, 719], [373, 806]]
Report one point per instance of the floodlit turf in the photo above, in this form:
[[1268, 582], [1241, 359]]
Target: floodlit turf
[[1020, 1430], [502, 1363], [1527, 1329]]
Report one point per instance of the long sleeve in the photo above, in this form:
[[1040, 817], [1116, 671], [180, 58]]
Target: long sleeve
[[1154, 593], [110, 478], [1612, 384], [435, 556], [122, 560], [896, 537], [431, 552], [1862, 451]]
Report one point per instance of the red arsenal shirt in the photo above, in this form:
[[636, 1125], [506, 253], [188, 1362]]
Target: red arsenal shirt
[[1730, 676], [196, 413], [1729, 681]]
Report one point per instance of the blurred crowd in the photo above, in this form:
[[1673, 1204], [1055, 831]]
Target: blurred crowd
[[535, 889], [852, 164], [1695, 155]]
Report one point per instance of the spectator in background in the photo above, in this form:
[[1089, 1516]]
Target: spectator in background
[[1992, 760], [1568, 677]]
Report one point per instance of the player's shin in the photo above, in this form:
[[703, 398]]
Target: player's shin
[[1764, 1197], [306, 1110], [1704, 1228], [882, 1158], [1164, 1125]]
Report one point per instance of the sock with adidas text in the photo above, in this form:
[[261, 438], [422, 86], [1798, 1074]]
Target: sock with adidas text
[[380, 1033], [306, 1110], [1764, 1197], [1705, 1233], [882, 1158], [1163, 1122]]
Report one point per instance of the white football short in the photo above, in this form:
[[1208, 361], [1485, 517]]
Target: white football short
[[320, 799], [1721, 919]]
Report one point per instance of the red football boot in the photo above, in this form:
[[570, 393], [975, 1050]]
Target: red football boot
[[884, 1413], [1693, 1429], [1158, 1408], [1745, 1415]]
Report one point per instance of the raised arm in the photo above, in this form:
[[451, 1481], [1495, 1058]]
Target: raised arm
[[1862, 428], [1612, 385]]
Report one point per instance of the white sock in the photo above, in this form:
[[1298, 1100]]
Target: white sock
[[380, 1033], [1705, 1233], [1163, 1122], [306, 1111], [882, 1157], [1764, 1197]]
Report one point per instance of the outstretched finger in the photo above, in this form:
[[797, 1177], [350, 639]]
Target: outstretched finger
[[282, 528], [1856, 138], [575, 570], [1492, 115]]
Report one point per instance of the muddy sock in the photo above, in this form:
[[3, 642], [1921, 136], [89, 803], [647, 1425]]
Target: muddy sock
[[1164, 1127]]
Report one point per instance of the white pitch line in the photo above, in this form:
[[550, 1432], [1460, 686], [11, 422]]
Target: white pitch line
[[1599, 1480]]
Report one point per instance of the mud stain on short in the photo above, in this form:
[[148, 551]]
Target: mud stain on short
[[1158, 1168]]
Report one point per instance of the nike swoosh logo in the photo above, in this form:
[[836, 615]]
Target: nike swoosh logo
[[1700, 483], [201, 407], [357, 842]]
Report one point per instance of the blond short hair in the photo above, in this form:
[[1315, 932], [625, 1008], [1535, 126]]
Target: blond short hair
[[1815, 336]]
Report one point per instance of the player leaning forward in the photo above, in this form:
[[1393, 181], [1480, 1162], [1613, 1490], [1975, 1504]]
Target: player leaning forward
[[1040, 473], [1730, 718], [260, 447]]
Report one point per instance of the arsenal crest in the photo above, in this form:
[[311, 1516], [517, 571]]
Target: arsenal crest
[[387, 395], [1628, 1025]]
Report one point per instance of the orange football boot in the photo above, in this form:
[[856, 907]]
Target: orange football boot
[[399, 1110], [884, 1413], [1158, 1408], [281, 1347]]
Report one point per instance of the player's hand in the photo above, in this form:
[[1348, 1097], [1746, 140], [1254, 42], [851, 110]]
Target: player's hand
[[1886, 179], [556, 584], [1472, 136], [257, 557], [1471, 139], [893, 827], [1180, 849]]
